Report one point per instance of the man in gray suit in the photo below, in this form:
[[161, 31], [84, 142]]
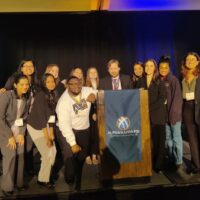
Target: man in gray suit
[[115, 81]]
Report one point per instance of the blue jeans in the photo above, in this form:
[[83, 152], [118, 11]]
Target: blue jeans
[[174, 143]]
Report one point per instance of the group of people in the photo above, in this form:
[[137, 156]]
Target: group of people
[[172, 105], [59, 118]]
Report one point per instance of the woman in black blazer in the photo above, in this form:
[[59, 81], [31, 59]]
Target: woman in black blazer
[[54, 70], [138, 72], [92, 80], [13, 113], [157, 111], [40, 125]]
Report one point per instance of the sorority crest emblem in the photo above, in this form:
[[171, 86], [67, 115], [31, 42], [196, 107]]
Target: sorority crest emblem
[[123, 123]]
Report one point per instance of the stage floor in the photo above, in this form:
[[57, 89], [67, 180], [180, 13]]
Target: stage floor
[[92, 188]]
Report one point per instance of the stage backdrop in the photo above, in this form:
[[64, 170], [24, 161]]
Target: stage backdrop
[[91, 39]]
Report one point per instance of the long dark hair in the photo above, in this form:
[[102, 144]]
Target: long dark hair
[[50, 95], [134, 77], [34, 80], [17, 78]]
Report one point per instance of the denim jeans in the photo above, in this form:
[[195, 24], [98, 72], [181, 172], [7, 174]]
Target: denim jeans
[[174, 143]]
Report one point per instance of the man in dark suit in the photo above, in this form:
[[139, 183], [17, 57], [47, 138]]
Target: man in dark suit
[[115, 81]]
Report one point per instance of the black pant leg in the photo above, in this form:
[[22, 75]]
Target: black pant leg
[[159, 152], [59, 158], [192, 132], [28, 154], [70, 170]]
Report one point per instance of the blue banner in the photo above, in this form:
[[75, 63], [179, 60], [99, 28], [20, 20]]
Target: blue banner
[[123, 125]]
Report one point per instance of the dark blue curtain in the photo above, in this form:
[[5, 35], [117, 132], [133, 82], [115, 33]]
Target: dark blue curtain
[[85, 39]]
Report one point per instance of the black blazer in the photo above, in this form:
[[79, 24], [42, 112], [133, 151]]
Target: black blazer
[[106, 83], [40, 112], [157, 98], [60, 88]]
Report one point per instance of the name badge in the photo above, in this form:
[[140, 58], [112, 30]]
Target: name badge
[[52, 119], [19, 122], [189, 96]]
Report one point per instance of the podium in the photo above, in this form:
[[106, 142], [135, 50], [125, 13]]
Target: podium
[[110, 167]]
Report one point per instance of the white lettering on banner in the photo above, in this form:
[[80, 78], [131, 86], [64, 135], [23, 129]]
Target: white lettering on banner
[[124, 133]]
